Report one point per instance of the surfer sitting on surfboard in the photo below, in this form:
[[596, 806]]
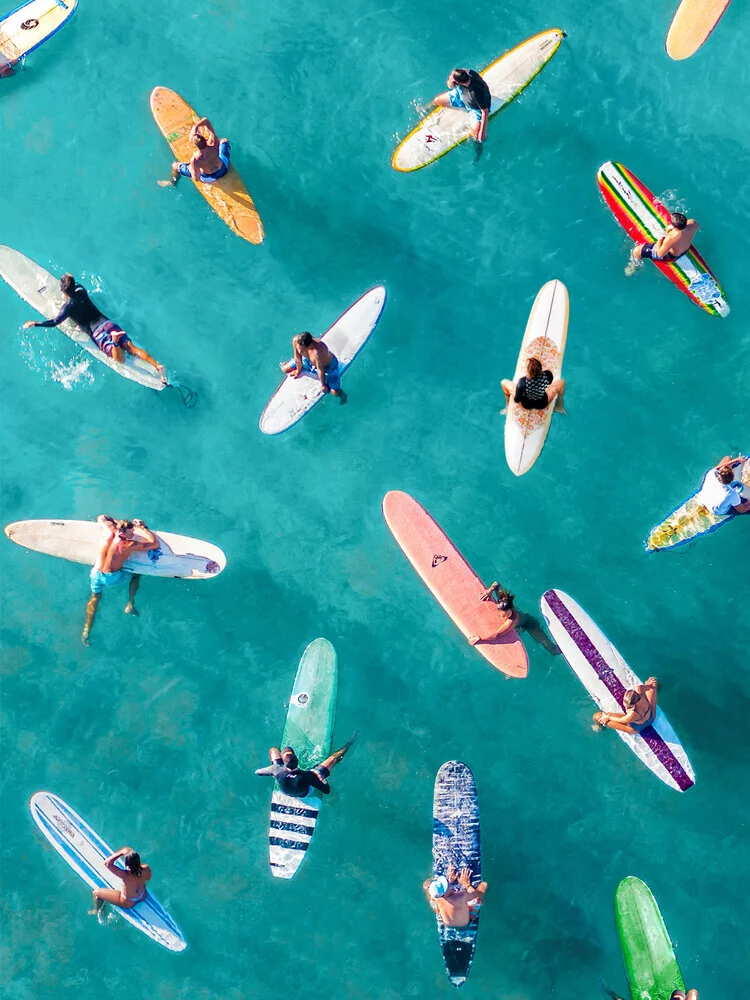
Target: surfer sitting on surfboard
[[719, 492], [673, 244], [536, 389], [291, 780], [511, 617], [119, 544], [453, 898], [134, 877], [209, 162], [314, 356], [468, 91], [640, 710], [110, 338]]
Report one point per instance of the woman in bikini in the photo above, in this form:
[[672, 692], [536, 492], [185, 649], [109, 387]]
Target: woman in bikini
[[640, 710], [134, 877]]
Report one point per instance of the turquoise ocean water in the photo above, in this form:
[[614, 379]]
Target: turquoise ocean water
[[152, 734]]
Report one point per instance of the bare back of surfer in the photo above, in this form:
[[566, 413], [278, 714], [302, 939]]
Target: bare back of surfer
[[209, 162], [510, 617], [676, 241], [314, 356], [454, 899], [118, 544], [134, 876], [640, 710]]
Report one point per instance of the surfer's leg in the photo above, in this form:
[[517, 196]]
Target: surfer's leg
[[138, 352], [532, 625], [91, 609], [442, 100], [622, 726], [636, 259], [338, 755], [508, 390], [113, 896], [130, 608], [176, 174], [556, 391]]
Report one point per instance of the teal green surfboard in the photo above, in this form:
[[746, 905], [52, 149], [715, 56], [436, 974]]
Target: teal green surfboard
[[312, 706], [650, 960]]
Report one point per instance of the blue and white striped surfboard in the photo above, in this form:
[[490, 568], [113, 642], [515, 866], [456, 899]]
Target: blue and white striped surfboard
[[290, 831], [455, 841], [85, 851]]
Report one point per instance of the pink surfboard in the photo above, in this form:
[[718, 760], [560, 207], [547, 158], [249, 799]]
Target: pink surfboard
[[452, 581]]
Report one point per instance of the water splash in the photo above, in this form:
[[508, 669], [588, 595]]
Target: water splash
[[72, 373]]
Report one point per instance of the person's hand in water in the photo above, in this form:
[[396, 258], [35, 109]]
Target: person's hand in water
[[28, 325], [474, 639]]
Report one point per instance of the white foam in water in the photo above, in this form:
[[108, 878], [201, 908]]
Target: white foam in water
[[72, 373]]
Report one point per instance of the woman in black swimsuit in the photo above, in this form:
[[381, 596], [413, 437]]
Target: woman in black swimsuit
[[535, 390]]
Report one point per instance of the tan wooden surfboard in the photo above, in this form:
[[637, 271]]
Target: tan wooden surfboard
[[692, 24]]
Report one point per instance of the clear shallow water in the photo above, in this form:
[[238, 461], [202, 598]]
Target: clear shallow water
[[153, 733]]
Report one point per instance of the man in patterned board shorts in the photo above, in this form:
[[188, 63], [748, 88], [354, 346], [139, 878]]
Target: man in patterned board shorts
[[469, 92]]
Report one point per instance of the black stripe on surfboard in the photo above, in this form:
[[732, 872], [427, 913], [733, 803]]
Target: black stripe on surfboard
[[293, 811], [292, 827], [290, 845]]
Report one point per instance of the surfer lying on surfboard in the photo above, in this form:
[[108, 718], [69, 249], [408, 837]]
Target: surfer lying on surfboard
[[119, 543], [209, 162], [469, 92], [673, 244], [134, 877], [110, 338], [284, 767], [510, 618], [536, 389], [640, 710], [454, 899], [314, 356]]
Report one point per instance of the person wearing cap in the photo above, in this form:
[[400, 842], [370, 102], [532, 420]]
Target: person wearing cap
[[720, 493], [469, 92], [284, 767], [511, 617], [118, 545], [453, 897]]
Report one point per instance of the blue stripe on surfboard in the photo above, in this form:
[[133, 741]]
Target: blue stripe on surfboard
[[65, 6], [133, 914]]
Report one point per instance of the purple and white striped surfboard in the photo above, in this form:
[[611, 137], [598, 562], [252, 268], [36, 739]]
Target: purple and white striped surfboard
[[606, 676]]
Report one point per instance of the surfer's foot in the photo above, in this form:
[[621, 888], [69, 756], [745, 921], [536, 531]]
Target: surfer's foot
[[286, 367], [130, 609], [559, 408], [101, 916], [166, 184], [341, 395], [632, 266], [85, 637], [337, 755]]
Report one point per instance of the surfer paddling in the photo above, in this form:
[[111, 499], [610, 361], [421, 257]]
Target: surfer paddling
[[118, 545], [134, 877], [511, 617], [110, 338], [536, 389], [291, 780], [313, 356], [640, 710], [454, 899], [209, 162], [673, 244], [469, 92]]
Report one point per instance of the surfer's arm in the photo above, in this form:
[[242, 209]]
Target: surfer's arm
[[151, 542], [482, 134], [61, 316], [109, 863], [317, 782]]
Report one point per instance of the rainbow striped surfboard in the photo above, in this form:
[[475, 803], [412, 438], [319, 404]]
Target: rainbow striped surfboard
[[644, 219]]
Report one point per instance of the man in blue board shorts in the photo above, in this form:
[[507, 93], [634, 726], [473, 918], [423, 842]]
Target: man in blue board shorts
[[209, 162], [313, 356], [108, 571], [110, 338], [673, 244], [468, 91], [453, 897], [720, 492], [284, 767]]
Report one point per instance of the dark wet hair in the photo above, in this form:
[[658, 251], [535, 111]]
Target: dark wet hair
[[725, 474], [461, 75], [294, 761], [305, 338], [679, 221], [199, 141], [534, 367], [505, 600], [677, 995], [123, 525], [133, 863], [67, 284], [630, 698]]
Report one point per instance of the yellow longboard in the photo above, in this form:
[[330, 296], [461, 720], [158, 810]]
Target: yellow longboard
[[692, 24], [228, 197]]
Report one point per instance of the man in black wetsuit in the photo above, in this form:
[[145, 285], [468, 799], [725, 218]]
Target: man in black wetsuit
[[284, 768], [110, 338], [468, 91]]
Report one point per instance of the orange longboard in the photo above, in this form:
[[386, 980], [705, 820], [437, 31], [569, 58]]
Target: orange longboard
[[692, 24], [228, 197], [452, 581]]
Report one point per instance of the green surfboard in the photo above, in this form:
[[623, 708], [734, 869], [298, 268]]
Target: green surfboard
[[650, 960], [312, 706]]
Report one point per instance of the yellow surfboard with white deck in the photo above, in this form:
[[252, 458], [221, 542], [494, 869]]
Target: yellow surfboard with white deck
[[692, 24], [228, 196]]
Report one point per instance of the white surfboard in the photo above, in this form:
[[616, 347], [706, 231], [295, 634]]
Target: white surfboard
[[545, 337], [85, 852], [28, 26], [346, 338], [81, 542], [606, 676], [445, 128], [42, 292], [290, 830]]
